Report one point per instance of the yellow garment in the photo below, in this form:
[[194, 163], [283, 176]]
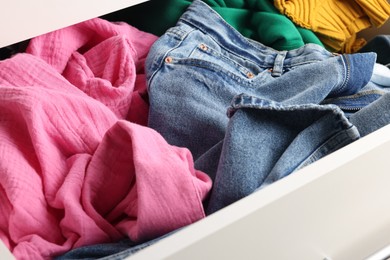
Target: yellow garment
[[336, 22]]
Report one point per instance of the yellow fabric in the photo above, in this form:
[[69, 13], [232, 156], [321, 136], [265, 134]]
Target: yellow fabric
[[336, 22]]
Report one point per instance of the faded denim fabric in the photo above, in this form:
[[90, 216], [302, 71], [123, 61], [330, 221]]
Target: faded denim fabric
[[372, 117], [267, 140], [198, 68], [110, 251], [350, 104]]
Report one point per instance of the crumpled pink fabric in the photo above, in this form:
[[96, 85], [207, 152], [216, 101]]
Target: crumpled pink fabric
[[103, 59], [78, 167]]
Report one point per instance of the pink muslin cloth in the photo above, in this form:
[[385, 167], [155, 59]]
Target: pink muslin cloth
[[103, 59], [78, 165]]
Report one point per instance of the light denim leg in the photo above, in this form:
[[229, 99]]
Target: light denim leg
[[197, 68], [265, 141]]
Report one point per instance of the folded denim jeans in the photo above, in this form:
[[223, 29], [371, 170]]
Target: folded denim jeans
[[201, 65]]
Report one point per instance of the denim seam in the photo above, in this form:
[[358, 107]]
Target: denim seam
[[249, 43], [355, 96], [266, 66], [232, 29], [123, 254], [175, 31], [158, 61], [223, 46], [302, 63], [336, 141], [272, 107], [246, 101], [240, 67], [346, 66], [229, 26], [216, 68]]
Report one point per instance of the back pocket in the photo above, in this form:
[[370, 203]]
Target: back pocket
[[224, 61]]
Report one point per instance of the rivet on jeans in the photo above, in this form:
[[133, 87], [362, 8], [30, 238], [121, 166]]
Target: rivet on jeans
[[168, 59], [203, 47], [250, 75]]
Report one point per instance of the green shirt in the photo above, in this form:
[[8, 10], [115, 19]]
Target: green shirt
[[255, 19]]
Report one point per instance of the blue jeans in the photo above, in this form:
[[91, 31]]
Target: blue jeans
[[199, 68], [109, 251]]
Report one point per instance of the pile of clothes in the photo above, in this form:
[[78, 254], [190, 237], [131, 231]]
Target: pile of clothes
[[115, 135]]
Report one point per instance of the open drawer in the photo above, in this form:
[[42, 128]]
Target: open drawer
[[335, 208]]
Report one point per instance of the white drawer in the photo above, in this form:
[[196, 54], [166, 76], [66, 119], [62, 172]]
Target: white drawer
[[335, 208], [5, 254], [21, 20]]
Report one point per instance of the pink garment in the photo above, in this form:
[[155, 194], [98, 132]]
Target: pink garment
[[103, 59], [74, 170]]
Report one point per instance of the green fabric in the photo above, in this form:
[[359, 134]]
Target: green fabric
[[255, 19]]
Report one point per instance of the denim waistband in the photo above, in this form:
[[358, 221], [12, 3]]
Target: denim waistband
[[202, 17]]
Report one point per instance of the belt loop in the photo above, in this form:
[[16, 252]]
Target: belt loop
[[277, 70]]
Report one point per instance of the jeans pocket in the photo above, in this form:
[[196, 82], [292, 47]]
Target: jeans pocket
[[221, 61]]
